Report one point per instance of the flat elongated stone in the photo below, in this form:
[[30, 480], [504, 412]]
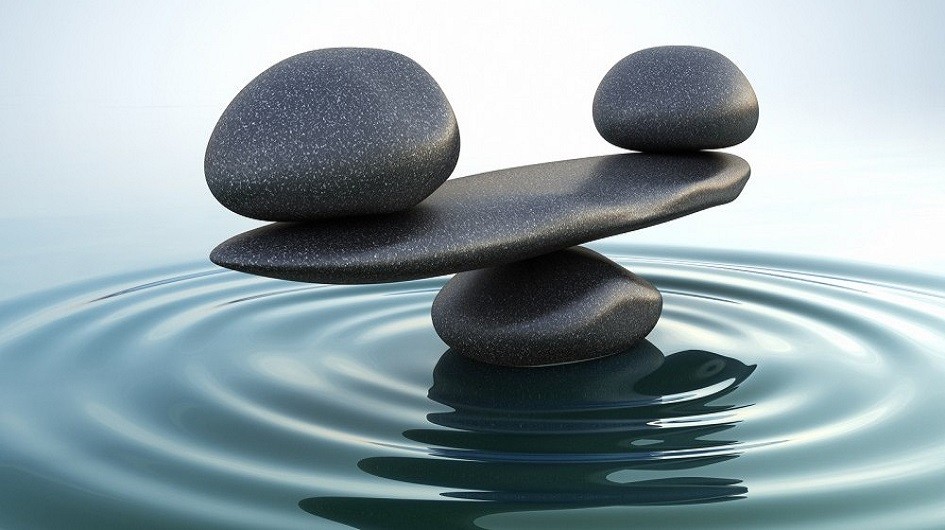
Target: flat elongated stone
[[492, 218], [675, 98], [335, 132], [570, 305]]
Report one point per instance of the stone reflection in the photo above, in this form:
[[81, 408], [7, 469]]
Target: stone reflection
[[622, 431]]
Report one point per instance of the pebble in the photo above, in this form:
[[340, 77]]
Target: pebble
[[331, 133], [567, 306], [675, 98]]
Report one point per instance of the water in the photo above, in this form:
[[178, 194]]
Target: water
[[773, 392]]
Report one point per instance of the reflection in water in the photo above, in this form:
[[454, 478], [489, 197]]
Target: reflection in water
[[202, 399], [573, 436]]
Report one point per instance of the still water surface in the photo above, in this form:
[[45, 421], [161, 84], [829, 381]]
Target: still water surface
[[775, 392]]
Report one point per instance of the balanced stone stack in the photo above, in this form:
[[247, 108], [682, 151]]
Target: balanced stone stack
[[349, 150]]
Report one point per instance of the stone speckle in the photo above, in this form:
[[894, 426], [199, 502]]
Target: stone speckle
[[492, 218], [567, 306], [334, 132], [675, 98]]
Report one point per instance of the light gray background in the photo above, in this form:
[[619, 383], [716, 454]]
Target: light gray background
[[105, 109]]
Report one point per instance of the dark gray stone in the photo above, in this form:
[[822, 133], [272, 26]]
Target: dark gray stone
[[490, 219], [328, 133], [570, 305], [675, 98]]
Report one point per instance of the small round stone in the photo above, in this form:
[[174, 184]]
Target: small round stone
[[330, 133], [675, 98], [570, 305]]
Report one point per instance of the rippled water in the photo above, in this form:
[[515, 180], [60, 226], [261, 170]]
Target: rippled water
[[774, 392]]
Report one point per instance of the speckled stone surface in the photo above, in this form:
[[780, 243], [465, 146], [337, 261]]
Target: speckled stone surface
[[675, 98], [570, 305], [334, 132], [492, 218]]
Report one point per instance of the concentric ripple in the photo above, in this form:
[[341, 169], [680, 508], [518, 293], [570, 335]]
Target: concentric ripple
[[774, 392]]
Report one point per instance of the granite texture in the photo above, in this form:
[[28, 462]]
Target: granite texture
[[675, 98], [492, 218], [570, 305], [334, 132]]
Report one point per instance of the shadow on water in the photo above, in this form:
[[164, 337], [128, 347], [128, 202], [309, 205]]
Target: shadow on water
[[561, 437]]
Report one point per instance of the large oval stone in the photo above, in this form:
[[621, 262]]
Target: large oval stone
[[675, 98], [335, 132], [570, 305]]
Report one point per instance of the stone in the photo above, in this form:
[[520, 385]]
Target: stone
[[334, 132], [570, 305], [492, 218], [675, 98]]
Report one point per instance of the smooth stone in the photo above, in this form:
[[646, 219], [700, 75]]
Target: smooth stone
[[492, 218], [334, 132], [570, 305], [675, 98]]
